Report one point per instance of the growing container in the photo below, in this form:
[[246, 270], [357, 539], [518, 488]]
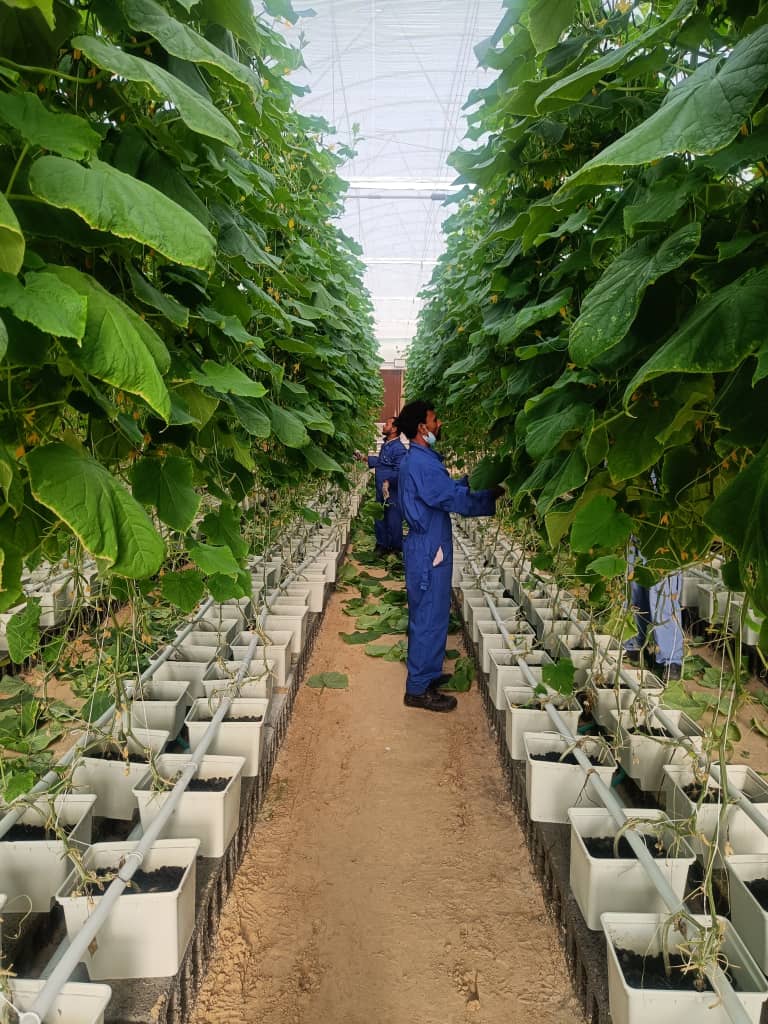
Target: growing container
[[35, 868], [257, 682], [644, 934], [76, 1003], [233, 737], [524, 713], [161, 704], [504, 670], [294, 623], [552, 787], [520, 636], [189, 672], [606, 698], [112, 781], [737, 834], [749, 916], [643, 756], [621, 884], [146, 933], [211, 816], [277, 650]]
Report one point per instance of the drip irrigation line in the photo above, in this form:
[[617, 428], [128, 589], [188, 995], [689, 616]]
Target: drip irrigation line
[[615, 808], [133, 860]]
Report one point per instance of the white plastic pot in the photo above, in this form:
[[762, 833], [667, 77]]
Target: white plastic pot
[[212, 817], [620, 884], [644, 933], [161, 704], [295, 624], [604, 699], [643, 757], [36, 868], [504, 670], [505, 607], [551, 787], [737, 834], [76, 1003], [277, 650], [257, 682], [749, 917], [189, 672], [112, 781], [521, 636], [146, 934], [520, 719], [238, 739]]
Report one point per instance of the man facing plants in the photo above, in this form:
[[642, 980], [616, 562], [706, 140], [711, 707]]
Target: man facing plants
[[427, 497]]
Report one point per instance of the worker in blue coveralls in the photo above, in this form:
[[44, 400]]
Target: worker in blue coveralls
[[427, 497], [389, 530], [659, 622]]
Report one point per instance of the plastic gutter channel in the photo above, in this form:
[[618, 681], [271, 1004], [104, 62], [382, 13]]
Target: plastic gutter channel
[[715, 975], [67, 957]]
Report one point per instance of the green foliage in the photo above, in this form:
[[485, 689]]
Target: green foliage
[[23, 632], [461, 679], [176, 302], [329, 681], [596, 327]]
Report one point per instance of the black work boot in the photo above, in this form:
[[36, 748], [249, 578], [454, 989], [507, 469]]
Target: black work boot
[[430, 700], [440, 681]]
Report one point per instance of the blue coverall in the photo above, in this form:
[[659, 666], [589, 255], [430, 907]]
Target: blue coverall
[[657, 608], [427, 496], [389, 530]]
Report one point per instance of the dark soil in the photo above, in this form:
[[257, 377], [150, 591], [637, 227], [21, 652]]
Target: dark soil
[[693, 792], [648, 972], [602, 846], [646, 730], [759, 889], [33, 833], [111, 754], [244, 718], [164, 879], [208, 785], [554, 756]]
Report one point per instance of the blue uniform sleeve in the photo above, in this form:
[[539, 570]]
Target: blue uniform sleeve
[[373, 461], [437, 490]]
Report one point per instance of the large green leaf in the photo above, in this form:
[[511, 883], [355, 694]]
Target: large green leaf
[[45, 301], [197, 112], [611, 305], [700, 115], [23, 631], [62, 133], [319, 459], [167, 484], [183, 589], [214, 558], [44, 6], [110, 200], [530, 315], [547, 19], [183, 42], [118, 347], [11, 239], [289, 428], [109, 523], [227, 379], [739, 515], [599, 524], [720, 332]]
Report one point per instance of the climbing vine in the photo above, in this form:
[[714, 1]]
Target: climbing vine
[[179, 316], [596, 327]]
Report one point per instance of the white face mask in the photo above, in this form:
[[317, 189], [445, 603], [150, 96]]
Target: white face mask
[[430, 438]]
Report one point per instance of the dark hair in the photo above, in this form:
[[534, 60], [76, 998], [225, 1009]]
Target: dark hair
[[411, 415]]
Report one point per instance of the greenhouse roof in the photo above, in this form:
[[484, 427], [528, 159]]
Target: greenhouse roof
[[397, 72]]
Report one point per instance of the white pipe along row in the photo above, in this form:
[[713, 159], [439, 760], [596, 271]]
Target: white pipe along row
[[716, 976], [71, 956]]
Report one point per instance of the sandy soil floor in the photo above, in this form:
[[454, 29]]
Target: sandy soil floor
[[387, 881]]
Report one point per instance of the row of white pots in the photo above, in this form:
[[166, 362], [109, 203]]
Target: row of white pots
[[615, 893]]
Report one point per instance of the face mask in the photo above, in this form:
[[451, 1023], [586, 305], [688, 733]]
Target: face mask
[[430, 438]]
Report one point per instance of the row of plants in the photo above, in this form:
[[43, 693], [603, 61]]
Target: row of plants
[[184, 333], [595, 329]]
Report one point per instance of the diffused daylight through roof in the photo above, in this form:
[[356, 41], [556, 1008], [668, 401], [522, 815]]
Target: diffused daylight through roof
[[401, 71]]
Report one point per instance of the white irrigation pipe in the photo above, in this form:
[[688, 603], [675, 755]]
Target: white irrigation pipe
[[716, 976], [11, 818], [133, 860]]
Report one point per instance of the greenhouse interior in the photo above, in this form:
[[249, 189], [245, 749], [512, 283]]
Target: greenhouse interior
[[384, 519]]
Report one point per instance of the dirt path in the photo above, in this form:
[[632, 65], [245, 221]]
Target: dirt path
[[387, 881]]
